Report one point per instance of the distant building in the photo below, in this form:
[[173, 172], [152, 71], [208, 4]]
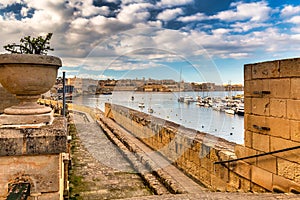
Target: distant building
[[153, 87], [83, 85], [90, 86], [234, 87]]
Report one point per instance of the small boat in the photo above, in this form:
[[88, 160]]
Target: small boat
[[198, 98], [218, 107], [188, 99], [201, 103], [106, 93], [150, 110], [240, 109], [206, 105], [181, 99], [229, 111], [141, 105]]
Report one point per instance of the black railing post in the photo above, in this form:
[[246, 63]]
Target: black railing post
[[64, 94]]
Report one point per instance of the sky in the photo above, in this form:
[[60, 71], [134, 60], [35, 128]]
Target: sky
[[190, 40]]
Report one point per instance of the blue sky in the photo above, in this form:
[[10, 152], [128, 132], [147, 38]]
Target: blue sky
[[192, 40]]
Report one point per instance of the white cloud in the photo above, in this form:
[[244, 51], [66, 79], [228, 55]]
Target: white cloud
[[135, 13], [85, 8], [79, 23], [220, 31], [92, 76], [48, 16], [255, 12], [157, 24], [247, 26], [296, 37], [5, 3], [83, 34], [172, 3], [236, 55], [24, 11], [125, 2], [290, 10], [169, 14], [258, 11], [125, 65], [294, 20], [296, 30], [196, 17], [9, 16], [112, 1], [237, 46]]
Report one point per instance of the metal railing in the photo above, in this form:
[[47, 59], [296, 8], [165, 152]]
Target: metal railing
[[258, 155]]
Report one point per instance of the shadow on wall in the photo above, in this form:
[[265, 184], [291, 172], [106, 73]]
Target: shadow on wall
[[6, 99]]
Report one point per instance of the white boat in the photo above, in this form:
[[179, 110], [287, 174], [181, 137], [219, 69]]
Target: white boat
[[199, 98], [201, 103], [229, 111], [141, 105], [150, 110], [181, 99], [240, 109], [218, 106], [188, 99]]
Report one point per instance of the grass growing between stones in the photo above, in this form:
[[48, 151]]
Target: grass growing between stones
[[76, 181]]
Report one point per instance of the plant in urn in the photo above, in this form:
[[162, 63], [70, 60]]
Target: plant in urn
[[28, 72]]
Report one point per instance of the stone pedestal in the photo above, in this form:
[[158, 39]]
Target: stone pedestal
[[26, 121], [35, 156]]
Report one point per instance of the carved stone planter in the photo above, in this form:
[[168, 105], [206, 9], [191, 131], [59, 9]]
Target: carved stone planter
[[27, 76]]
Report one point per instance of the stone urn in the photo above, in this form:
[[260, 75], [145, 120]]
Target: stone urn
[[28, 76]]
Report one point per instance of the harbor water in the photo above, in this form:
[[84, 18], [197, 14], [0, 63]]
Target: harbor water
[[166, 106]]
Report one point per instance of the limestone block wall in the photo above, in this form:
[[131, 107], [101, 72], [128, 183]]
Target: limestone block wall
[[192, 151], [35, 156], [6, 99], [272, 122]]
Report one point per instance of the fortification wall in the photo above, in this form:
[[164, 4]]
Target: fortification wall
[[192, 151]]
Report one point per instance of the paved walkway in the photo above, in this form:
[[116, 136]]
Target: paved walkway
[[99, 171]]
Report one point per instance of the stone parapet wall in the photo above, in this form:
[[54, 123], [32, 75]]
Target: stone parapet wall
[[192, 151], [6, 99], [272, 123]]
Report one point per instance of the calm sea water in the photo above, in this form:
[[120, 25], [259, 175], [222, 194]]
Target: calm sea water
[[166, 106]]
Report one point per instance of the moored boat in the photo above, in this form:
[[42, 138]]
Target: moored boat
[[141, 105], [229, 111], [240, 109]]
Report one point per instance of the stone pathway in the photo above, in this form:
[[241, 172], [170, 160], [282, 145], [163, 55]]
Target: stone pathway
[[100, 170], [160, 162]]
